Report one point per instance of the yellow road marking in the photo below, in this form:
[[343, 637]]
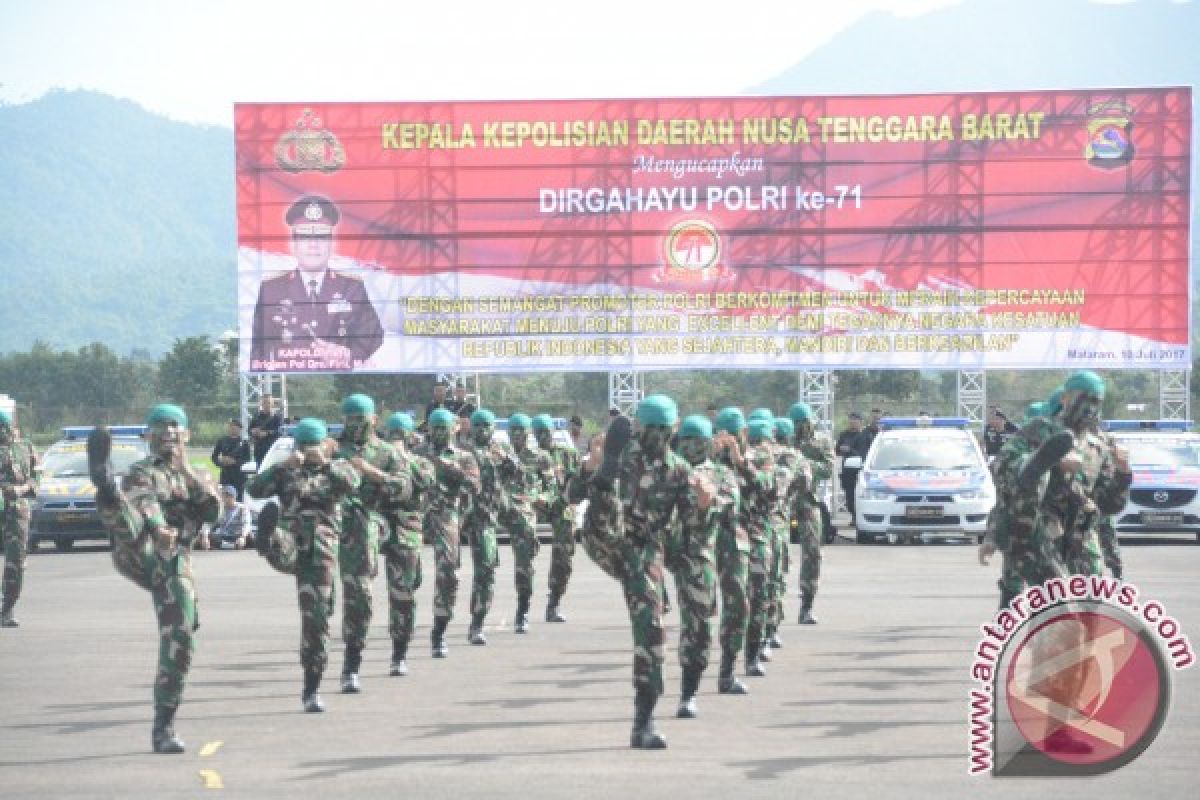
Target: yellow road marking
[[212, 779], [210, 748]]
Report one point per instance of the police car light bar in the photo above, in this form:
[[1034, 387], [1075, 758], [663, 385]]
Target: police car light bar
[[1181, 425], [82, 431], [924, 422]]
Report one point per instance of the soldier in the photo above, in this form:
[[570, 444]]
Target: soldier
[[401, 546], [313, 314], [695, 577], [456, 486], [805, 506], [733, 564], [16, 486], [601, 533], [384, 481], [531, 489], [562, 513], [153, 518], [301, 536], [772, 603], [497, 463], [794, 472]]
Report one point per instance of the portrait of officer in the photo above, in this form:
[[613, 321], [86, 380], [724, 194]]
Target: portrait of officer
[[313, 317]]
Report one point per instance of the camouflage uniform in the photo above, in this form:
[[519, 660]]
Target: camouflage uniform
[[1110, 546], [807, 510], [401, 549], [757, 485], [305, 543], [153, 523], [450, 498], [531, 488], [787, 463], [497, 464], [16, 485], [562, 519], [601, 532]]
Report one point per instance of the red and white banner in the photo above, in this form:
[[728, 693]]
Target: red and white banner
[[1017, 229]]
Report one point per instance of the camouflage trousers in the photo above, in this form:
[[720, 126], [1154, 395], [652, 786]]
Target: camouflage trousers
[[1028, 561], [307, 546], [733, 563], [696, 588], [522, 527], [810, 552], [601, 534], [14, 532], [403, 568], [444, 529], [777, 573], [643, 571], [358, 564], [167, 574], [759, 570], [1110, 546], [1082, 553], [562, 520], [485, 557]]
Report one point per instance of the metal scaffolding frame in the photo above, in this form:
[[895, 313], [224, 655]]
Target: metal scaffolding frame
[[1174, 399], [625, 391], [972, 396], [817, 389], [253, 386]]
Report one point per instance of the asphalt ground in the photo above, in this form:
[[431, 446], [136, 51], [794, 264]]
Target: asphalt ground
[[872, 702]]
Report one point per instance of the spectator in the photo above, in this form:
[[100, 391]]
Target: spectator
[[872, 429], [229, 454], [265, 427], [997, 432], [460, 405], [231, 531], [439, 400], [849, 445], [577, 438], [712, 411], [463, 437]]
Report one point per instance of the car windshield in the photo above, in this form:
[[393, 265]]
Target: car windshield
[[913, 453], [68, 460], [1162, 451]]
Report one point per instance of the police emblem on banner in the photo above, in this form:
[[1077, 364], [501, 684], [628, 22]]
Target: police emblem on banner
[[309, 148], [1109, 134], [692, 251]]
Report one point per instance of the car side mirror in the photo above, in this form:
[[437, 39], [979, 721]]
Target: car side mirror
[[852, 462]]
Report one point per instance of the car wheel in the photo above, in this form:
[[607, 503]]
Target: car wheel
[[64, 545], [862, 538]]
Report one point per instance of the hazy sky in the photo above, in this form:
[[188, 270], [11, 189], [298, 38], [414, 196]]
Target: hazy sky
[[192, 60]]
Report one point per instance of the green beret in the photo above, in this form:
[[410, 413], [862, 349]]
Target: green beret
[[1053, 403], [696, 426], [1034, 410], [761, 413], [358, 404], [519, 420], [167, 412], [441, 418], [731, 420], [657, 409], [400, 421], [760, 429], [1085, 381], [800, 412], [543, 422], [5, 419], [309, 430], [784, 425], [483, 417]]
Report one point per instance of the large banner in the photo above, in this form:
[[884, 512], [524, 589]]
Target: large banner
[[1027, 229]]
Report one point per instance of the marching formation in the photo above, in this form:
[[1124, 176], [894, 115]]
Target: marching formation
[[713, 500]]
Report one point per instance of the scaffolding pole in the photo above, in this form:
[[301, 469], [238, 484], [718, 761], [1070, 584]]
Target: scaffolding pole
[[253, 387], [972, 397], [625, 391], [1174, 399]]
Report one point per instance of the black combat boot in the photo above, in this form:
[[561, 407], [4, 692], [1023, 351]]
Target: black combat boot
[[764, 651], [350, 682], [309, 698], [437, 637], [727, 683], [100, 467], [620, 432], [163, 737], [475, 634], [522, 620], [687, 699], [268, 518], [399, 656], [806, 615], [754, 665], [1044, 458], [775, 642], [644, 735], [552, 612]]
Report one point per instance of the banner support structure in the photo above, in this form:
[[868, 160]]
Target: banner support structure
[[972, 396], [625, 391], [252, 388], [1174, 399]]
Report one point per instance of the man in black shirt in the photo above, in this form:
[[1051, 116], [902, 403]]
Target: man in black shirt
[[871, 430], [265, 427], [230, 453], [850, 444], [439, 401], [996, 433]]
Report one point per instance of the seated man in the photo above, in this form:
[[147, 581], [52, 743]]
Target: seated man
[[231, 531]]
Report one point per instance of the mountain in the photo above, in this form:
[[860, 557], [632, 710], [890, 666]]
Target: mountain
[[119, 225]]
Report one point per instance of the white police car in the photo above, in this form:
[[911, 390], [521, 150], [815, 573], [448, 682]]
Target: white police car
[[923, 478], [1165, 495]]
